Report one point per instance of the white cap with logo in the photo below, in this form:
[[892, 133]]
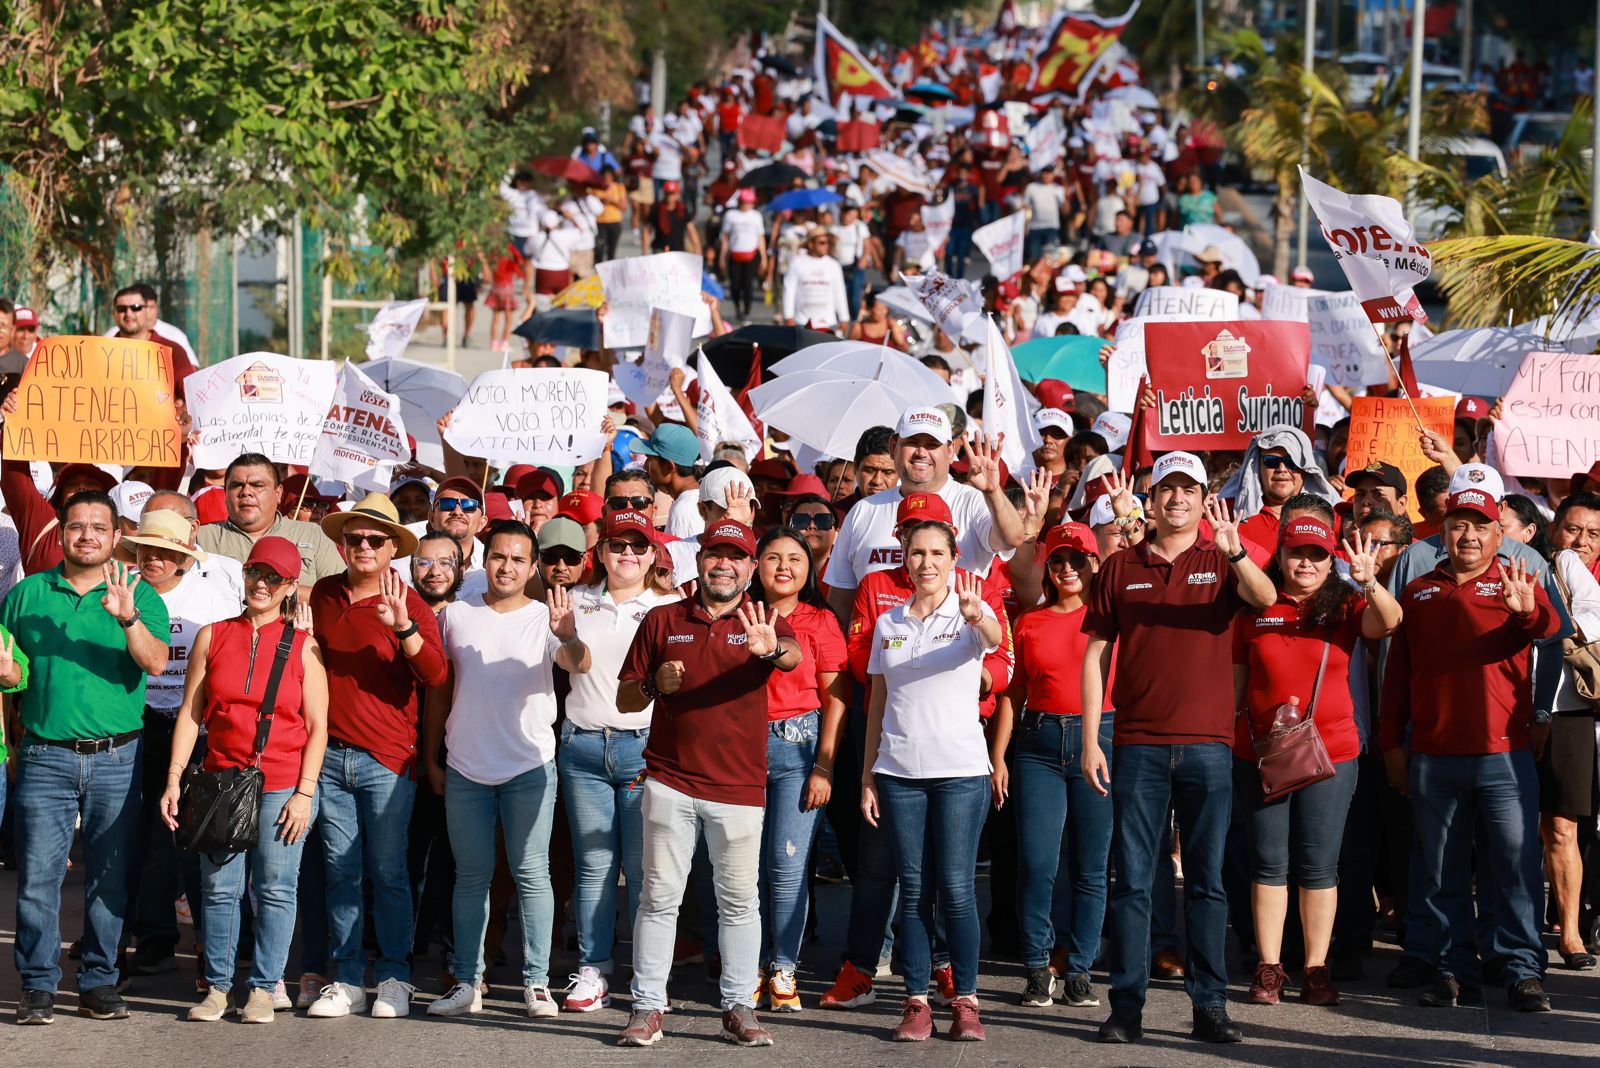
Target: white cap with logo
[[1479, 477], [924, 419], [130, 498], [1114, 427], [1053, 417], [715, 485], [1178, 463]]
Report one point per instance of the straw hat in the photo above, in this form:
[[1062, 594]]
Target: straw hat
[[162, 528], [378, 509]]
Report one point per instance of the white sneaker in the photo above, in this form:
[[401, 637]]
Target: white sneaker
[[281, 1001], [458, 1001], [589, 991], [338, 999], [393, 1000], [538, 1001]]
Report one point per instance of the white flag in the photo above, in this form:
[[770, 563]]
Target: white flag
[[720, 417], [666, 347], [1005, 406], [1045, 142], [1376, 247], [937, 219], [1001, 242], [954, 303], [390, 330], [363, 436]]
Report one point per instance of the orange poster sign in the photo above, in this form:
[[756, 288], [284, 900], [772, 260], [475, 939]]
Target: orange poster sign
[[1383, 428], [96, 400]]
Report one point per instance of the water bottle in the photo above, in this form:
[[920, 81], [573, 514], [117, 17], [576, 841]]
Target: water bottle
[[1288, 715]]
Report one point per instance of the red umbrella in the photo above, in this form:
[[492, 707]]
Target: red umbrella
[[566, 168]]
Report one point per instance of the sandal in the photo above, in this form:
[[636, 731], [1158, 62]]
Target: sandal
[[1581, 961]]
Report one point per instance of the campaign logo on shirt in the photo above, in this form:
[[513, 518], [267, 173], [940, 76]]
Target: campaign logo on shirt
[[894, 641], [738, 639], [1202, 578], [1486, 589], [1425, 594], [1139, 586], [673, 639], [1270, 621], [947, 636], [638, 617], [889, 556]]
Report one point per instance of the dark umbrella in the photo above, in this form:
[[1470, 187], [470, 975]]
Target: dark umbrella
[[781, 65], [772, 176], [731, 353], [931, 89], [567, 169], [577, 327]]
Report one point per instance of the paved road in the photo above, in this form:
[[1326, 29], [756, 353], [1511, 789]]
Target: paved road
[[1374, 1026]]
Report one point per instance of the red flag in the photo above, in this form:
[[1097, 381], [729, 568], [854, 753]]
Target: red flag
[[841, 68], [857, 136], [1005, 22], [751, 382], [1408, 374], [1075, 50], [1136, 452], [762, 133]]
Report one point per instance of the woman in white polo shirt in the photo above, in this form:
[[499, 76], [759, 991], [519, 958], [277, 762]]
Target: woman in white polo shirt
[[602, 750], [928, 765]]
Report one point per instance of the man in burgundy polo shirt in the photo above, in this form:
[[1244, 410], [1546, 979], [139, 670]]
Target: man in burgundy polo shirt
[[1167, 605], [1458, 676], [136, 311], [705, 663]]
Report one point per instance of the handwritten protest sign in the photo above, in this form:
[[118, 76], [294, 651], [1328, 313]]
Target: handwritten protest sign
[[1187, 302], [545, 415], [96, 400], [1552, 416], [1288, 303], [635, 284], [1342, 340], [259, 402], [1126, 364], [1217, 385], [363, 436], [1383, 428], [1001, 243], [667, 347]]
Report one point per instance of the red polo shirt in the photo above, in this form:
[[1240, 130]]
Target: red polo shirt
[[1049, 675], [1172, 624], [372, 684], [1282, 653], [33, 516], [1261, 528], [794, 693], [1458, 668], [182, 368], [708, 740]]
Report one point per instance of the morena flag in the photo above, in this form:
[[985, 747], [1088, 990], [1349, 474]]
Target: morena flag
[[1075, 50], [842, 69]]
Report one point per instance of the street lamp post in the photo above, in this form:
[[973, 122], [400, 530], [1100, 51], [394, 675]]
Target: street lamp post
[[1308, 62]]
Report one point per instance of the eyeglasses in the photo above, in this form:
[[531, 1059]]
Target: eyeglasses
[[623, 547], [820, 521], [123, 309], [551, 557], [266, 576], [429, 565], [623, 504], [371, 541], [1272, 463], [450, 504], [1400, 544]]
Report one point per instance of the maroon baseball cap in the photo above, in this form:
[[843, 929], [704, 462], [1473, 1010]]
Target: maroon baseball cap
[[277, 554], [730, 533], [804, 486], [1476, 501], [581, 506], [461, 484], [538, 481], [103, 480], [1072, 536], [26, 318], [1307, 532], [620, 523]]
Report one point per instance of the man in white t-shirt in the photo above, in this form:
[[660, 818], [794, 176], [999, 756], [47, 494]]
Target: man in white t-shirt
[[813, 286], [1151, 180], [1044, 199], [987, 524], [670, 455], [496, 716]]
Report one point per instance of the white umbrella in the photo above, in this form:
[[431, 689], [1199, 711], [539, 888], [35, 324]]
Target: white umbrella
[[1478, 363], [1137, 95], [830, 414], [426, 393], [860, 359], [1235, 253]]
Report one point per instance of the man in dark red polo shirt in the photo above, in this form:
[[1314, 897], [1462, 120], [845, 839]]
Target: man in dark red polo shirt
[[1167, 605], [705, 663], [379, 642], [1458, 677], [136, 312]]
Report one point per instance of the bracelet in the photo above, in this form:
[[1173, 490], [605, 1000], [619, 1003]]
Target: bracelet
[[648, 687], [175, 764], [1236, 557], [408, 632], [826, 773], [302, 793]]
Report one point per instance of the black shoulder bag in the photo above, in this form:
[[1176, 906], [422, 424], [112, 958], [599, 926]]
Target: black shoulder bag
[[219, 812]]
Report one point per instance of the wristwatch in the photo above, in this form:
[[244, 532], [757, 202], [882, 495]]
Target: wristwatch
[[127, 624], [1543, 716]]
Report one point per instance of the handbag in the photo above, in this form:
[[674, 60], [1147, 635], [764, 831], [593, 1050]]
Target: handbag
[[219, 812], [1582, 658], [1292, 758]]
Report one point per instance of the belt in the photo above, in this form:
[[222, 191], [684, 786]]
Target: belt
[[93, 745]]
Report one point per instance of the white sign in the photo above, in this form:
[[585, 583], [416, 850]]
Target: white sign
[[1288, 303], [1376, 247], [390, 330], [719, 418], [937, 219], [636, 284], [1005, 408], [544, 415], [363, 436], [953, 302], [1342, 340], [1126, 364], [1001, 242], [259, 402], [1187, 303], [1046, 142], [667, 347]]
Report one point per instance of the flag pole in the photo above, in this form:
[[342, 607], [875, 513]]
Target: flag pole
[[301, 503], [1395, 369]]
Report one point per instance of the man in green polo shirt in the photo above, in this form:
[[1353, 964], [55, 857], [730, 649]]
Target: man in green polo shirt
[[253, 492], [91, 633]]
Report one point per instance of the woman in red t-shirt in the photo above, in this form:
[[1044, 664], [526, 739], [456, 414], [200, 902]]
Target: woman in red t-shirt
[[805, 708], [229, 666], [1275, 656], [1063, 823]]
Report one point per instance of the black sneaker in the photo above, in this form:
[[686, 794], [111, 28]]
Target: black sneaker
[[1211, 1024], [102, 1003], [152, 960], [1078, 993], [37, 1007], [1447, 992], [1528, 996], [1121, 1030], [1037, 992], [1411, 973]]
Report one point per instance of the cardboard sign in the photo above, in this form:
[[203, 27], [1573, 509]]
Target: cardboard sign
[[259, 402], [1187, 302], [1383, 428], [545, 415], [96, 400], [1552, 416], [363, 436], [671, 334], [1001, 242], [1288, 303], [1217, 385], [1342, 340], [1376, 248], [1126, 364], [636, 284]]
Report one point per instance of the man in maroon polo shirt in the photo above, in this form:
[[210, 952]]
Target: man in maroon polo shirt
[[136, 312], [705, 663], [1167, 605]]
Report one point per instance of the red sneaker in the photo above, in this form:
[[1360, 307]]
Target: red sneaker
[[1268, 985], [944, 985], [851, 989], [1317, 987], [916, 1022], [966, 1027]]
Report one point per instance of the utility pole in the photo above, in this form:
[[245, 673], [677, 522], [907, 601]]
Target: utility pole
[[1414, 120], [1594, 156], [1466, 41], [1199, 36], [1309, 61]]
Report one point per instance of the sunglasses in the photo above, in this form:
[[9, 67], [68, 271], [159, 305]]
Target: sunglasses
[[271, 579], [820, 521], [123, 309], [624, 504], [1272, 463], [450, 504], [623, 547], [1077, 561], [551, 557], [371, 541]]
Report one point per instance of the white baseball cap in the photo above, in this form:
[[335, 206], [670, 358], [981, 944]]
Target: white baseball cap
[[1053, 417], [1478, 477], [130, 498], [1114, 427], [1101, 512], [714, 487], [924, 419], [1076, 274], [1178, 463]]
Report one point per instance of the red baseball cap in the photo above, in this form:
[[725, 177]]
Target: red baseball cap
[[1307, 531], [1054, 393], [496, 506], [923, 508], [581, 506], [537, 481], [1472, 408], [278, 554], [104, 479], [1476, 501], [461, 484], [776, 470], [728, 532], [669, 187], [1072, 536], [804, 486], [210, 504], [26, 317], [620, 523]]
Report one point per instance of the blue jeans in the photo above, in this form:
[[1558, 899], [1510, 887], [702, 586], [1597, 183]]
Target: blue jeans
[[272, 870], [1197, 781], [364, 819], [934, 825], [1148, 213], [1064, 841], [598, 770], [1302, 831], [1038, 240], [526, 808], [786, 838], [1498, 795], [956, 254], [56, 789], [313, 899], [855, 284]]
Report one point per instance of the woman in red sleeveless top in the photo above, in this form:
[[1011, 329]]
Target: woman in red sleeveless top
[[230, 663]]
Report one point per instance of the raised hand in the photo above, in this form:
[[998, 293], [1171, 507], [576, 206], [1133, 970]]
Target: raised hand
[[444, 422], [969, 594], [120, 583], [738, 500], [1036, 497], [392, 610], [1517, 587], [1363, 558], [563, 624], [983, 456], [8, 660], [761, 637], [302, 618], [1224, 531], [669, 676], [1119, 486]]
